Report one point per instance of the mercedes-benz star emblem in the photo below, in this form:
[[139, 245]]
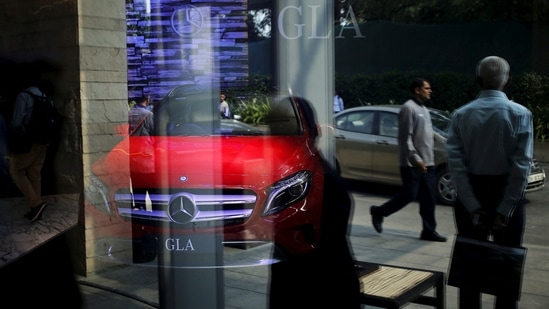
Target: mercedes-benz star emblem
[[187, 20], [182, 209]]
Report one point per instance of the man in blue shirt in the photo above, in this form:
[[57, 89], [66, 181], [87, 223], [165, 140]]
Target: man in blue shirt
[[338, 103], [490, 146]]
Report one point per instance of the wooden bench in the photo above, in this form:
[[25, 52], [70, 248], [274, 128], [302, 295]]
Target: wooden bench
[[389, 286]]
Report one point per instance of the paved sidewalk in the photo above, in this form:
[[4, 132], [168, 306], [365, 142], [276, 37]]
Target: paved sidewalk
[[247, 287]]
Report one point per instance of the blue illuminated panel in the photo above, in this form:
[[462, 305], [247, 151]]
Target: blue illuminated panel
[[172, 43]]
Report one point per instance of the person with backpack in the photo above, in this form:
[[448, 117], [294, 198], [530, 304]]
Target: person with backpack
[[31, 130]]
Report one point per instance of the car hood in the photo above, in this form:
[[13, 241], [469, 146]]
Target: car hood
[[205, 161]]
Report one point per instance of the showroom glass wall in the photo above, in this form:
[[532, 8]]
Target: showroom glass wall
[[193, 204], [173, 43]]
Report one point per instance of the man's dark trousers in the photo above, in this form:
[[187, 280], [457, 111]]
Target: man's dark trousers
[[415, 185], [489, 191]]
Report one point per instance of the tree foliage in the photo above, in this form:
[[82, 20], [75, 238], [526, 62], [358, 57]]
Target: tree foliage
[[445, 11]]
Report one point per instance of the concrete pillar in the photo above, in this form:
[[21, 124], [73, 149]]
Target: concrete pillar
[[87, 40], [305, 56]]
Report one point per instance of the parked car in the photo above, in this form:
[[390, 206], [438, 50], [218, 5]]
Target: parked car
[[202, 175], [367, 149]]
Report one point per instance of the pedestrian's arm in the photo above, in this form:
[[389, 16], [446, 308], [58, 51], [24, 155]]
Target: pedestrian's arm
[[406, 134], [458, 167], [149, 124], [519, 168]]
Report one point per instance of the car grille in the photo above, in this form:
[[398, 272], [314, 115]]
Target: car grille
[[534, 166], [536, 172], [188, 208]]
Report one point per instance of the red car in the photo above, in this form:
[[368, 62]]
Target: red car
[[201, 175]]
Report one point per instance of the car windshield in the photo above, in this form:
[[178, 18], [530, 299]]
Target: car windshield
[[183, 113], [441, 122]]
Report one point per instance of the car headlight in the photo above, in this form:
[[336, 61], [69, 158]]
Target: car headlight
[[97, 195], [287, 192]]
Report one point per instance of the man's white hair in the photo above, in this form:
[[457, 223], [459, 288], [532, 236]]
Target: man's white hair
[[493, 71]]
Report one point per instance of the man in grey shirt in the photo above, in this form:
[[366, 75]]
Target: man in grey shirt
[[141, 118], [417, 163]]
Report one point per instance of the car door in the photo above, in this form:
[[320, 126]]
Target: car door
[[385, 164], [354, 142]]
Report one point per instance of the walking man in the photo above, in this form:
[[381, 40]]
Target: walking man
[[417, 163], [490, 146]]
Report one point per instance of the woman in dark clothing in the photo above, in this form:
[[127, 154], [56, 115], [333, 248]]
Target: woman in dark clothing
[[326, 275]]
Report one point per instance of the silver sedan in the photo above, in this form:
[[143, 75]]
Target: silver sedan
[[367, 149]]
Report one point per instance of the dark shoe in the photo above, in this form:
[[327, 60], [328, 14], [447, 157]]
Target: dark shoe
[[377, 220], [432, 236], [36, 212], [28, 214]]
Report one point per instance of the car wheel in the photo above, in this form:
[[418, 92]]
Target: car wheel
[[445, 190]]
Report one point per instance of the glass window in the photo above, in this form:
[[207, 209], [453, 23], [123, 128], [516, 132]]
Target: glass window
[[361, 122], [388, 124]]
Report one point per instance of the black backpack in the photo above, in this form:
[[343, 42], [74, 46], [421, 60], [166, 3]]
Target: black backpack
[[43, 120], [41, 128]]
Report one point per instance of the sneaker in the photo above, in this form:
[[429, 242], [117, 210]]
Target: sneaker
[[377, 220], [432, 236], [36, 212]]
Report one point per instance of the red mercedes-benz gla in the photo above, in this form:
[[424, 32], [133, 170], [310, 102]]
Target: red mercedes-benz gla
[[201, 175]]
